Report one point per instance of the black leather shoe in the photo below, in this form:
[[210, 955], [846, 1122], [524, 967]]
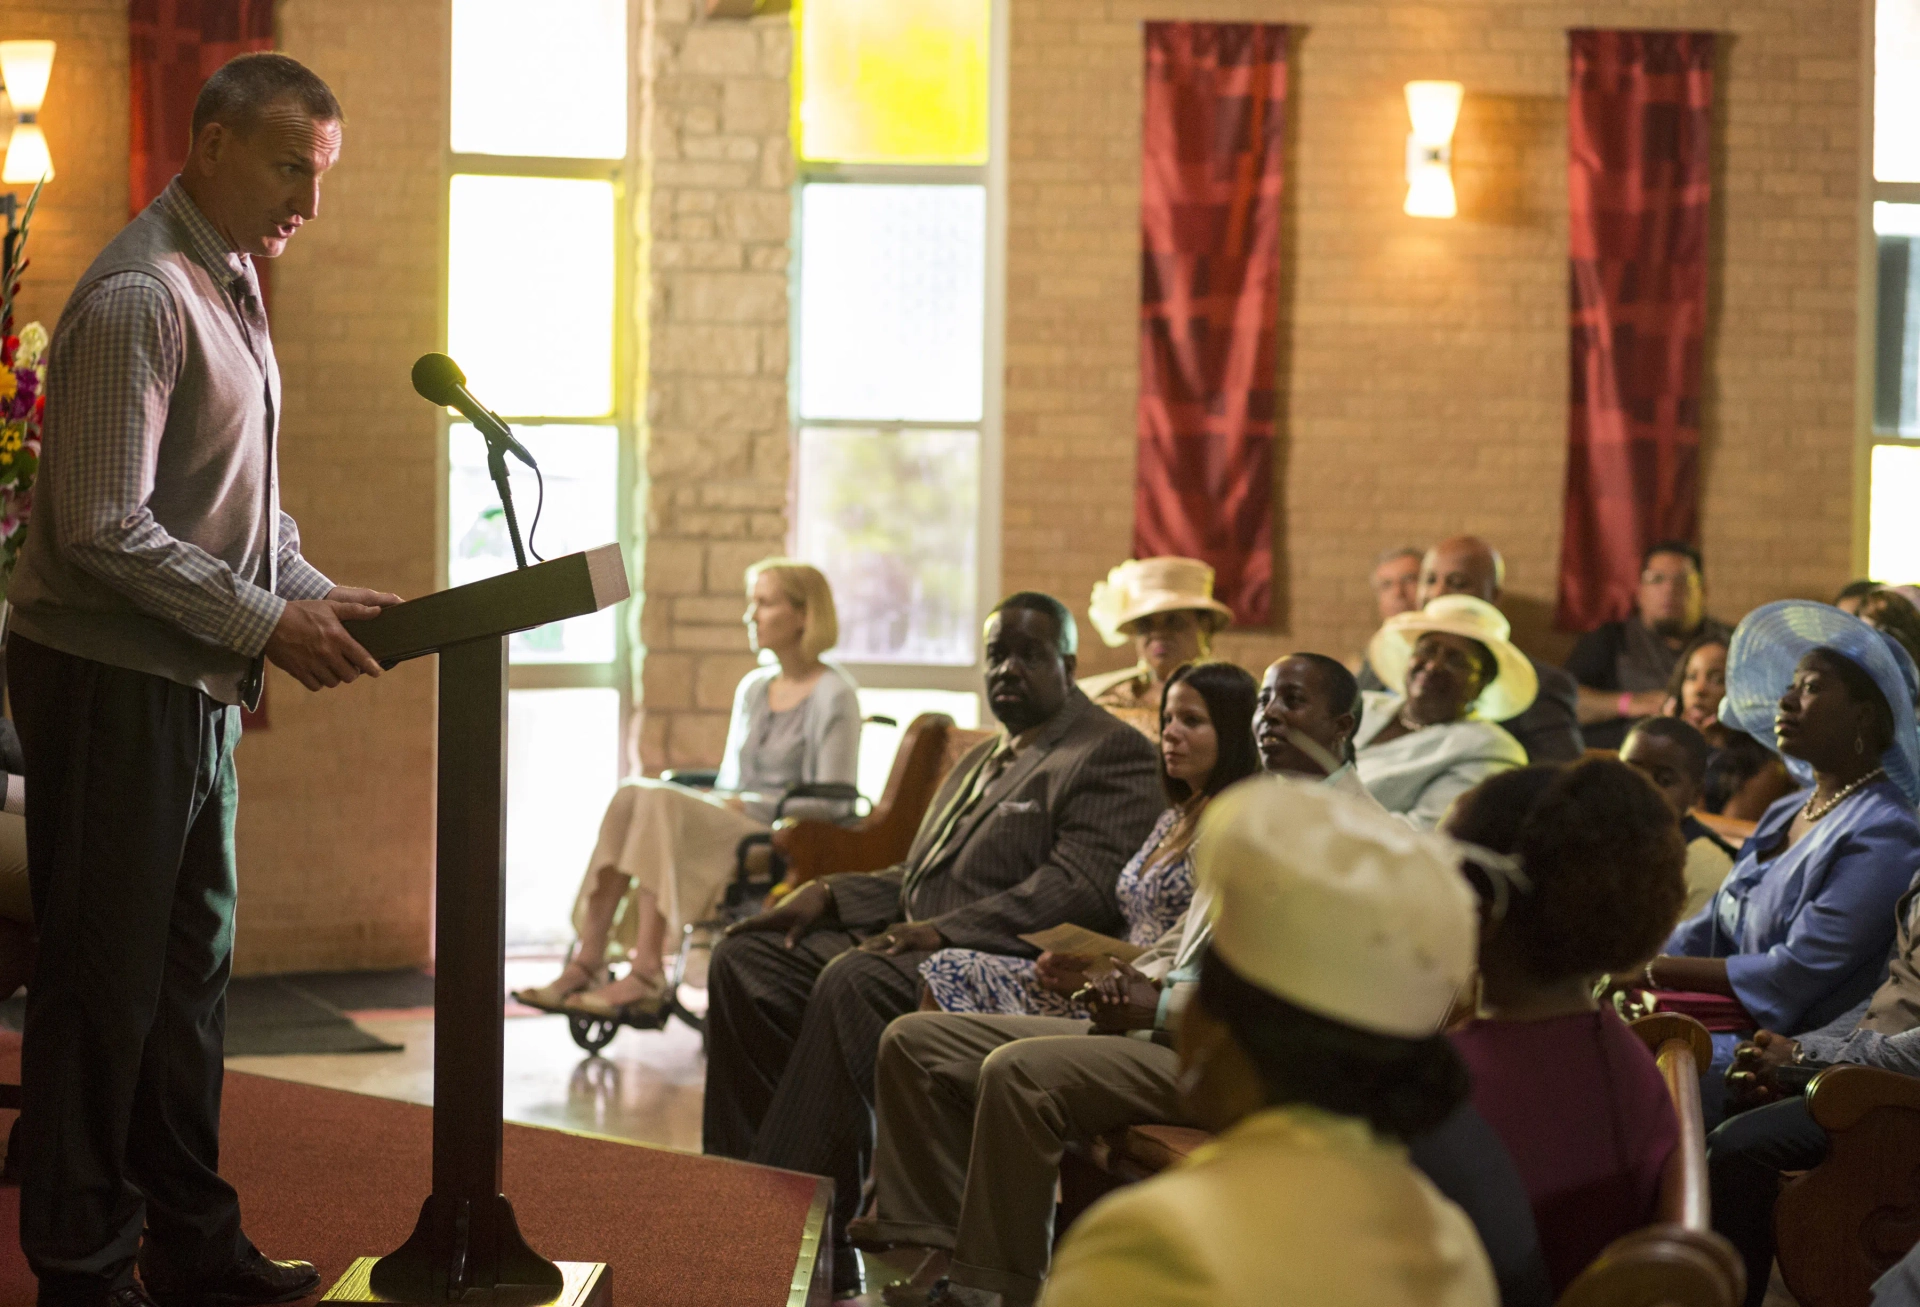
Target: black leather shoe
[[848, 1282], [253, 1281]]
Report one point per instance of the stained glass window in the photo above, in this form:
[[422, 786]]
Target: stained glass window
[[892, 81], [892, 302], [547, 79], [530, 288]]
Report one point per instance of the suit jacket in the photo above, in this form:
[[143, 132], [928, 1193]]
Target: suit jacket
[[1044, 845], [1549, 730]]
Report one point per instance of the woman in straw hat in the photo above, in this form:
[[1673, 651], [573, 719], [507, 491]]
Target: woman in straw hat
[[1801, 930], [1451, 673], [1166, 607], [1313, 1050]]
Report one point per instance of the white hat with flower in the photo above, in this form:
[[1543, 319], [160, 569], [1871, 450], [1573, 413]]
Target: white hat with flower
[[1142, 587]]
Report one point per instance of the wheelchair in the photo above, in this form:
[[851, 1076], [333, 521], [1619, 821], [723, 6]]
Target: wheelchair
[[745, 894]]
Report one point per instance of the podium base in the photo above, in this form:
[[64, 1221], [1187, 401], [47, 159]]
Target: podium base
[[587, 1284]]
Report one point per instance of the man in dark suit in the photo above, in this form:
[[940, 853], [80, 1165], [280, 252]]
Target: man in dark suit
[[1467, 565], [1029, 830]]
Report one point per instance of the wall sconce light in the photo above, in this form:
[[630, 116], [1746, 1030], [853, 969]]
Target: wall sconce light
[[25, 66], [1434, 108]]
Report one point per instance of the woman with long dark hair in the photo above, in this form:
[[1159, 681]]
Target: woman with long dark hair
[[1206, 744]]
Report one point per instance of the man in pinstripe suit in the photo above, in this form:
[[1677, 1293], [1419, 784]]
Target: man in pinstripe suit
[[1029, 830]]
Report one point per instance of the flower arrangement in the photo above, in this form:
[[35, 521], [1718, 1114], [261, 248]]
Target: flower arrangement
[[23, 402]]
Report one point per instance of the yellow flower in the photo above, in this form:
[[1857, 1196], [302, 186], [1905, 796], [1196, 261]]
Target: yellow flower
[[8, 384]]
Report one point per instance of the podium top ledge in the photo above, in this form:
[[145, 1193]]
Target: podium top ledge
[[571, 586]]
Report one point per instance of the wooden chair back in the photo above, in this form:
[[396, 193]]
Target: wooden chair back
[[1678, 1261], [1840, 1226], [928, 749]]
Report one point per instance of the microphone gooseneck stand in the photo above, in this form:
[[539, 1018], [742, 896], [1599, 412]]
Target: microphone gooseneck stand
[[497, 466]]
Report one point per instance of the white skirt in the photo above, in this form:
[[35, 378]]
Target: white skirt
[[675, 843]]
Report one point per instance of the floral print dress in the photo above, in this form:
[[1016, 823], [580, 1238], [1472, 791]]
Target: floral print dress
[[1153, 898]]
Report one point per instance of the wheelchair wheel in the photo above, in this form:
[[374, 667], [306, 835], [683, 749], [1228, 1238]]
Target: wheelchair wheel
[[592, 1033]]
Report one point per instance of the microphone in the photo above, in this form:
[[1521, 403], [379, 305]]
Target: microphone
[[439, 380]]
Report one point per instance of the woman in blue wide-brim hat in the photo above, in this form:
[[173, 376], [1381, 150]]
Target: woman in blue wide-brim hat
[[1800, 931]]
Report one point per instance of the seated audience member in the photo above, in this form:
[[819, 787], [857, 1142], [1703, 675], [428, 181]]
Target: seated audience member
[[1889, 610], [1623, 666], [1166, 607], [974, 1112], [1029, 830], [1467, 565], [666, 851], [1313, 1050], [16, 900], [1743, 777], [1673, 755], [1799, 932], [1852, 593], [1575, 1095], [1206, 744], [1451, 673], [1748, 1152], [1396, 589]]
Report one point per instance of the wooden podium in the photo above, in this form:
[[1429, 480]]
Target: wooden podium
[[466, 1247]]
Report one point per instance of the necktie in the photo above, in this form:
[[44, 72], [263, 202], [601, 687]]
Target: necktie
[[957, 812]]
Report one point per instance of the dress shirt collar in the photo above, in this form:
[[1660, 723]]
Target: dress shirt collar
[[208, 247]]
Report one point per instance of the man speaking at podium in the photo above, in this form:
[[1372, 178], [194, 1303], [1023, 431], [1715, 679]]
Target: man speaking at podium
[[159, 573]]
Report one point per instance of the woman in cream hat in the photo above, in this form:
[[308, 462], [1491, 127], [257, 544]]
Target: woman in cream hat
[[1166, 607], [1313, 1050], [1451, 673]]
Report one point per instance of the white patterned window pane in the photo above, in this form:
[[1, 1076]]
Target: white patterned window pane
[[563, 762], [879, 743], [892, 302], [547, 79], [530, 293], [1896, 91], [1896, 346], [890, 517], [1893, 528], [581, 465]]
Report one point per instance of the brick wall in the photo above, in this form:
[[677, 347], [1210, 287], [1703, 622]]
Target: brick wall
[[336, 811], [717, 168], [1425, 362]]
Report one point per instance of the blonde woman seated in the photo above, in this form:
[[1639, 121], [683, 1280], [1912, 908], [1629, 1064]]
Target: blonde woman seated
[[665, 851], [1451, 673], [1166, 607]]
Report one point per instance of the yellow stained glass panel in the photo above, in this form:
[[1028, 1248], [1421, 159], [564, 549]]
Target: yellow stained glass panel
[[892, 81], [1893, 530], [530, 279]]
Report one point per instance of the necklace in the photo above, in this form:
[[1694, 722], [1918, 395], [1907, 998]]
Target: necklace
[[1815, 814]]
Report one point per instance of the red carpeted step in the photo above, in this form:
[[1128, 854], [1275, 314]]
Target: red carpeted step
[[329, 1176]]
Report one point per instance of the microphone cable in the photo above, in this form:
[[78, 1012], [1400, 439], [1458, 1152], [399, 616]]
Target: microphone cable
[[538, 505]]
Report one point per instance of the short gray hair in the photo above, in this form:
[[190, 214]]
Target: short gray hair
[[246, 84]]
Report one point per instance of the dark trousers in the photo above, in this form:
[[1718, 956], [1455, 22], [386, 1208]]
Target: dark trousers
[[131, 798], [1745, 1156], [792, 1039]]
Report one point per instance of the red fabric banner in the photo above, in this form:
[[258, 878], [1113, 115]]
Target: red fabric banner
[[175, 45], [1211, 173], [1639, 135]]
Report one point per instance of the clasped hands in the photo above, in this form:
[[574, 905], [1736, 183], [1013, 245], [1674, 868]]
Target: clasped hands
[[1122, 999], [310, 644], [1750, 1079]]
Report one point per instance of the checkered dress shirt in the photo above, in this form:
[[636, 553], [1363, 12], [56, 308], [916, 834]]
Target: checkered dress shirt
[[116, 368]]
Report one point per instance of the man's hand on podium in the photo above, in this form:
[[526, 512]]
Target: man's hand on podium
[[310, 645]]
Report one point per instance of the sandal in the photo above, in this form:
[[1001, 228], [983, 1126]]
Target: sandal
[[594, 1003], [552, 997]]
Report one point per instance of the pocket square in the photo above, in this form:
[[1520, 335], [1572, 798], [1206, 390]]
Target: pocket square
[[1020, 805]]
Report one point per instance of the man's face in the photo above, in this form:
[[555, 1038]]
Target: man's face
[[259, 187], [1453, 570], [1028, 678], [1672, 599], [1396, 586], [1665, 764], [1293, 701]]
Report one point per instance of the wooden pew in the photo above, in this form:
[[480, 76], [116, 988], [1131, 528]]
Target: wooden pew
[[929, 748], [1838, 1227], [1678, 1261]]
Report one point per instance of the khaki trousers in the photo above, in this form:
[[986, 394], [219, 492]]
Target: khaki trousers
[[974, 1114]]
